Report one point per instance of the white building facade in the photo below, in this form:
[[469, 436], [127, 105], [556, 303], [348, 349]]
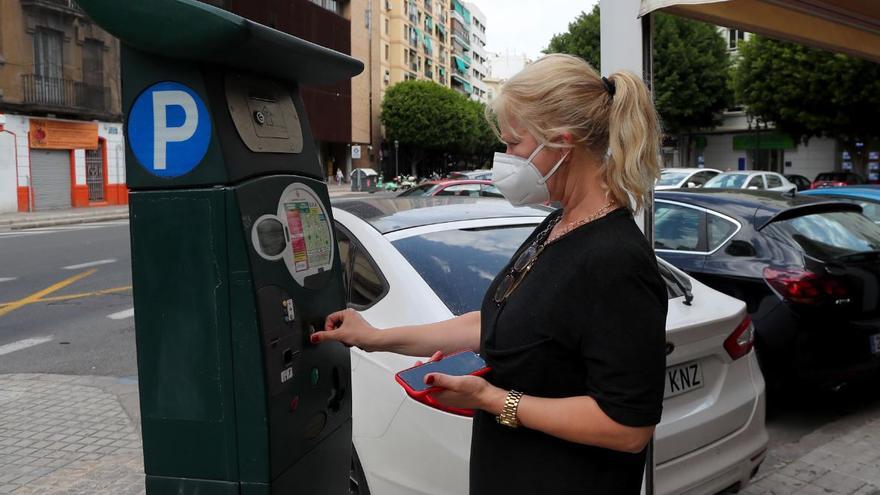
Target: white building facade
[[479, 69]]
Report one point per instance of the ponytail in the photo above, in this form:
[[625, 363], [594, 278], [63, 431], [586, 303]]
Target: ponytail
[[633, 141]]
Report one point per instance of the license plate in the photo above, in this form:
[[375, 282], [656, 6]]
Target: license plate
[[875, 344], [682, 379]]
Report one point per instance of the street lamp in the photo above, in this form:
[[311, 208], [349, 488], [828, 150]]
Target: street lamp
[[396, 168]]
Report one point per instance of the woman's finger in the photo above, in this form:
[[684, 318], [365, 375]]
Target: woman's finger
[[334, 320], [437, 356]]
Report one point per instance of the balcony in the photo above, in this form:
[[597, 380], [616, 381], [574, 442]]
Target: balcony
[[65, 95], [68, 7]]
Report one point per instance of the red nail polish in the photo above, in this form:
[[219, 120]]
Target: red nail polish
[[429, 380], [314, 339]]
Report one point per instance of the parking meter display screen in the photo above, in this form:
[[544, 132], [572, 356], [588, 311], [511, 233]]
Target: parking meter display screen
[[310, 238]]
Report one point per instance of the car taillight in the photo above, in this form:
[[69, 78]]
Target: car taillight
[[804, 287], [741, 341]]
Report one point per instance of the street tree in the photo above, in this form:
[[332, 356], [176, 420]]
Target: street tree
[[691, 70], [806, 92], [433, 123]]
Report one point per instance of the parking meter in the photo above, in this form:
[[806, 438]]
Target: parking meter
[[234, 260]]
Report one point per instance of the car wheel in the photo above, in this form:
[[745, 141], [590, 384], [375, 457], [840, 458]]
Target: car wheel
[[357, 480]]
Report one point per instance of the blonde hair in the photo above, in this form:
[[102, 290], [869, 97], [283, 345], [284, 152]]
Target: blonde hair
[[563, 94]]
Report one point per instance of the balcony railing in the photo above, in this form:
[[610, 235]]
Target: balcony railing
[[63, 6], [65, 94]]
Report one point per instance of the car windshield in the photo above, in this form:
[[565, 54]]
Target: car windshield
[[832, 176], [423, 190], [671, 178], [459, 265], [831, 235], [733, 181]]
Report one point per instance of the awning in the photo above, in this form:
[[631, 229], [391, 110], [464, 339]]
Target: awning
[[442, 29], [429, 24], [763, 141], [428, 43], [846, 26], [460, 64]]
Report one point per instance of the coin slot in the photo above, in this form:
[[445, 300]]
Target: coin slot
[[287, 355]]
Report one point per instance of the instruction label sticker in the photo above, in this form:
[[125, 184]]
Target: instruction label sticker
[[169, 129]]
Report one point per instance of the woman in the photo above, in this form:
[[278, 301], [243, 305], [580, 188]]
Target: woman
[[574, 327]]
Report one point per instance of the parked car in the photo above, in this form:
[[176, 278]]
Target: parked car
[[802, 183], [674, 178], [471, 188], [866, 196], [837, 179], [770, 181], [421, 260], [807, 268], [482, 174]]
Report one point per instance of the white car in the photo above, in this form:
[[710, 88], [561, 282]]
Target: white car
[[675, 178], [421, 260], [754, 179]]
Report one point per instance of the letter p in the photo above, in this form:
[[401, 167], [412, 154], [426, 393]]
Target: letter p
[[162, 134]]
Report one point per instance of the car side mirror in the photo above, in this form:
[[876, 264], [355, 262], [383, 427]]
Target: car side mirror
[[740, 248]]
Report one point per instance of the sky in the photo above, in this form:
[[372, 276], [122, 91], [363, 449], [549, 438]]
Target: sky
[[526, 26]]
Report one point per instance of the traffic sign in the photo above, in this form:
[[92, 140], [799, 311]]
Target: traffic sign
[[169, 129]]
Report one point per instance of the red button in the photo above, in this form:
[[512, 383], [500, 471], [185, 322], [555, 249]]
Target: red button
[[294, 403]]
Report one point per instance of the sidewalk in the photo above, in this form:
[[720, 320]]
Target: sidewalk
[[76, 435], [32, 220], [50, 218]]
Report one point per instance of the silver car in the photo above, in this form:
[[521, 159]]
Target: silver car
[[754, 179]]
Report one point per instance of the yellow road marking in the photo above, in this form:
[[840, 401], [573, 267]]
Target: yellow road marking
[[37, 296], [84, 294]]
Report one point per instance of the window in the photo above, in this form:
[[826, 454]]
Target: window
[[735, 36], [367, 285], [678, 228], [387, 51], [870, 210], [720, 230], [700, 178], [48, 53], [386, 26], [830, 235], [773, 181], [731, 181], [345, 250], [331, 5], [489, 191], [459, 265], [755, 183], [468, 190]]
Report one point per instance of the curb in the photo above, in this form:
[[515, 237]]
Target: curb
[[51, 222]]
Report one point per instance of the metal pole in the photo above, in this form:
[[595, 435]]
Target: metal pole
[[396, 167], [648, 216]]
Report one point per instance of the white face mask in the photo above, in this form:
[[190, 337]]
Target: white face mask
[[519, 180]]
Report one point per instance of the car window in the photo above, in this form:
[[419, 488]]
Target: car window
[[677, 227], [773, 181], [700, 178], [459, 265], [670, 178], [830, 235], [472, 190], [367, 285], [720, 229], [486, 176], [756, 182], [345, 250], [490, 191], [870, 210], [422, 190], [730, 181], [832, 176]]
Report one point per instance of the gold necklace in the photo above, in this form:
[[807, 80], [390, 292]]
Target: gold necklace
[[601, 212]]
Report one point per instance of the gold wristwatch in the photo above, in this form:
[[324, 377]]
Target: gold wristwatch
[[508, 412]]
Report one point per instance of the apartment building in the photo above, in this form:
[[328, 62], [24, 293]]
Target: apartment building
[[479, 56], [61, 137]]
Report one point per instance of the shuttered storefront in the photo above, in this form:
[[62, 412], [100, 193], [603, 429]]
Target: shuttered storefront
[[51, 179]]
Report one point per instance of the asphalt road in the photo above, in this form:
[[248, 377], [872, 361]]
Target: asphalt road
[[66, 301], [66, 308]]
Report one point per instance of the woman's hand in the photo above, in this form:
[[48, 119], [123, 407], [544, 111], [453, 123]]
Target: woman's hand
[[350, 328], [467, 392]]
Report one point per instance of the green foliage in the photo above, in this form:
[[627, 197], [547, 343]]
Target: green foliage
[[582, 38], [691, 72], [430, 120], [691, 67], [808, 92]]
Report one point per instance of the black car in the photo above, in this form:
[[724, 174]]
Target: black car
[[808, 270], [800, 181]]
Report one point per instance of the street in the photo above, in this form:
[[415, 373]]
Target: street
[[67, 310]]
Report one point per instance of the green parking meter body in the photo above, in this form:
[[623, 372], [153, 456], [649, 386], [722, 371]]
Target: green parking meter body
[[234, 262]]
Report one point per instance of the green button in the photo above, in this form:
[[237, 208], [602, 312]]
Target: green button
[[315, 375]]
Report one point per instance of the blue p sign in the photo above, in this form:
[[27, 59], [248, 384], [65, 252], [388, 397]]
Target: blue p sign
[[169, 129]]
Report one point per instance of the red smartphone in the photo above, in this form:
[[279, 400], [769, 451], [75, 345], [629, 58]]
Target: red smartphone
[[459, 364]]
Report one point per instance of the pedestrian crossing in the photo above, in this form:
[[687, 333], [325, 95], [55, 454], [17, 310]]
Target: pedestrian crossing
[[61, 229]]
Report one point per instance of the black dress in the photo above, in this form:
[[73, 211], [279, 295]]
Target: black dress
[[588, 319]]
